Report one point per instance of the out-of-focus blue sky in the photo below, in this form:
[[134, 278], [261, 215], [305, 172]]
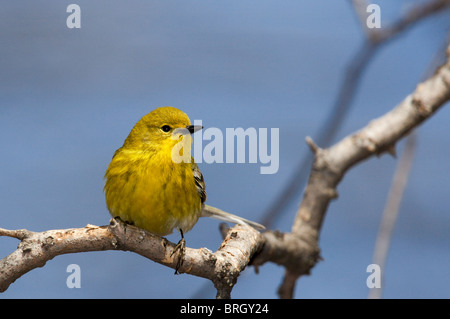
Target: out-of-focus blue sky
[[69, 97]]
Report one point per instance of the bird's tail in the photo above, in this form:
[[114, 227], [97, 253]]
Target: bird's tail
[[209, 211]]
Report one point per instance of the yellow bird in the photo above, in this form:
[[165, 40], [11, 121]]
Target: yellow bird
[[153, 182]]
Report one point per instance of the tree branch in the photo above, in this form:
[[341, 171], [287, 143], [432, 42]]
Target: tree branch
[[413, 15], [35, 249], [222, 267], [392, 208], [330, 165]]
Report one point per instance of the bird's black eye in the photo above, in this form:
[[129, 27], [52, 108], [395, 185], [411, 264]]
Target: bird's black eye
[[165, 128]]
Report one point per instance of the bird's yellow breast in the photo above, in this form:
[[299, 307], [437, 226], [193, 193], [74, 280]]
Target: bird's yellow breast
[[152, 192]]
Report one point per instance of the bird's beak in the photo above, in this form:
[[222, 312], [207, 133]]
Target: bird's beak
[[194, 128]]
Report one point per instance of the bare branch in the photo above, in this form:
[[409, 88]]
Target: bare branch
[[360, 7], [415, 14], [35, 249], [222, 267], [411, 17], [378, 136], [391, 210]]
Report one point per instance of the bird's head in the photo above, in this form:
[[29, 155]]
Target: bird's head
[[163, 128]]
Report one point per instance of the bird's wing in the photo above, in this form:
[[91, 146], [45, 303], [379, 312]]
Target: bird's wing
[[199, 181]]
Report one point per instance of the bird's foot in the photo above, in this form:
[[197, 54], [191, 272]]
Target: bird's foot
[[180, 247]]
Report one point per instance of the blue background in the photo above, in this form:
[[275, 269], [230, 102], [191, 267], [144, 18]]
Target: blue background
[[69, 97]]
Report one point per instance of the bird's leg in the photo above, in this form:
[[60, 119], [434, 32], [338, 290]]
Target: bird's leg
[[181, 247]]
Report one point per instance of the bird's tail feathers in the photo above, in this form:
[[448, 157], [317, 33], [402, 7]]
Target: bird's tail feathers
[[213, 212]]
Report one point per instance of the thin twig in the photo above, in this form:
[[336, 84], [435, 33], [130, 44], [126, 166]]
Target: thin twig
[[392, 209]]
